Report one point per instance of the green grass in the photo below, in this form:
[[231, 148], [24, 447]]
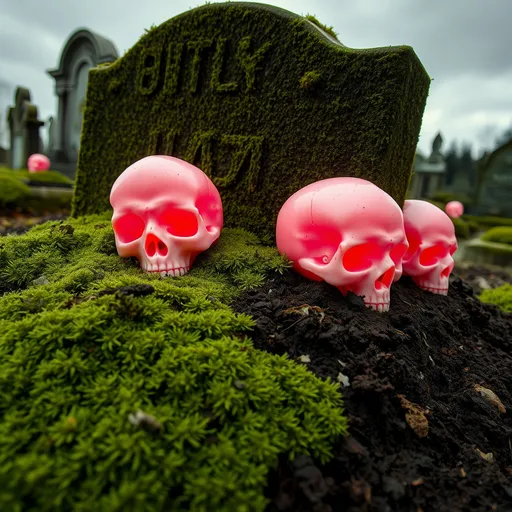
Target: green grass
[[445, 197], [462, 229], [80, 352], [501, 297], [12, 191], [487, 222], [48, 177], [489, 253], [502, 235], [15, 193]]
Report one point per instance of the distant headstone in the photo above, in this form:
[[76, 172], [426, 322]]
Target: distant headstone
[[24, 126], [50, 148], [3, 156], [262, 100], [428, 173], [494, 196], [83, 50]]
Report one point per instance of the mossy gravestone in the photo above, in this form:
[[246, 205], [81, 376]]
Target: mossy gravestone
[[262, 100]]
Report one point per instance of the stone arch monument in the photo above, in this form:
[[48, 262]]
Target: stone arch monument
[[83, 50]]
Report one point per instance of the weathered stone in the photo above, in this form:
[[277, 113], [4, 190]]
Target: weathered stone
[[24, 126], [495, 183], [83, 50], [262, 100]]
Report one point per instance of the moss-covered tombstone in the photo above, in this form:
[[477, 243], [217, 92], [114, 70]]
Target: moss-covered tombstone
[[262, 100]]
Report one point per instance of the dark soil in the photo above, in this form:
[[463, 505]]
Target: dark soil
[[482, 277], [423, 437]]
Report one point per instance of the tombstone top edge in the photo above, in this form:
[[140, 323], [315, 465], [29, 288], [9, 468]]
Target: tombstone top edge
[[311, 27]]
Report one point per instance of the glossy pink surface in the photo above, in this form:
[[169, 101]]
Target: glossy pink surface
[[432, 243], [454, 209], [346, 232], [38, 163], [166, 212]]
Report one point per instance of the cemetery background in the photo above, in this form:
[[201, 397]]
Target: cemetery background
[[366, 473], [482, 184]]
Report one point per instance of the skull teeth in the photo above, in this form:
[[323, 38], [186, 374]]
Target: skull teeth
[[381, 307], [172, 272], [438, 291]]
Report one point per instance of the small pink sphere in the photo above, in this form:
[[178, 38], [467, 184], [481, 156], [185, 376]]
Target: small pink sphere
[[454, 209], [38, 163]]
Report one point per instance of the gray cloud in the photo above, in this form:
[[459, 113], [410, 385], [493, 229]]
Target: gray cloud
[[463, 44]]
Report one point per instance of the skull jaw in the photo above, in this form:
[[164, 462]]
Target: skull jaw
[[333, 274], [171, 272], [378, 300], [435, 280], [167, 267], [437, 286]]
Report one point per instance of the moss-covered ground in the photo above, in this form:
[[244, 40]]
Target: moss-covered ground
[[49, 177], [501, 234], [17, 194], [87, 340], [501, 297]]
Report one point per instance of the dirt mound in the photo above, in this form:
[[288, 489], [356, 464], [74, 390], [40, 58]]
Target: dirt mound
[[427, 389]]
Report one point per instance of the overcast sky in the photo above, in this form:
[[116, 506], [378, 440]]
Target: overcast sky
[[465, 46]]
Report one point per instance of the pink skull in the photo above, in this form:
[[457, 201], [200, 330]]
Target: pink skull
[[346, 232], [166, 212], [432, 243], [38, 163], [454, 209]]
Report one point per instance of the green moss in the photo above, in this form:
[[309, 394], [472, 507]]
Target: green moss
[[48, 177], [461, 228], [487, 222], [87, 339], [325, 28], [490, 253], [502, 235], [15, 191], [501, 296], [220, 86], [310, 80], [445, 197], [12, 191]]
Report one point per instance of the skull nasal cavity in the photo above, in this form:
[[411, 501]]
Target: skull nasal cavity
[[155, 246], [385, 279], [447, 271]]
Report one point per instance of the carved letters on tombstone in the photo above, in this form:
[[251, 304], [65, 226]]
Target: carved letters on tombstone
[[262, 100]]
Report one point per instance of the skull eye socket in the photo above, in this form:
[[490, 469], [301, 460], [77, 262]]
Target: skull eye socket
[[432, 255], [414, 245], [182, 223], [361, 257], [397, 253], [129, 228]]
